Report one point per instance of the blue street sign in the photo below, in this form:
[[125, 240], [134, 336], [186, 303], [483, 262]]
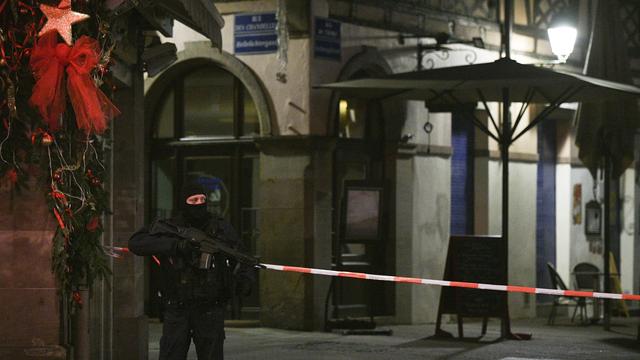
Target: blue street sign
[[326, 42], [255, 33]]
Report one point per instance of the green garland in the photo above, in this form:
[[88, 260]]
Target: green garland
[[79, 202], [69, 163]]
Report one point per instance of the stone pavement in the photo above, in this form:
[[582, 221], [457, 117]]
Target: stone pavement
[[559, 342]]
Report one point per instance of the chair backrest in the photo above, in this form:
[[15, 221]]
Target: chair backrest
[[556, 280], [587, 276]]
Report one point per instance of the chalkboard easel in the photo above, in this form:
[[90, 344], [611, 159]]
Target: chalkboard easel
[[476, 259]]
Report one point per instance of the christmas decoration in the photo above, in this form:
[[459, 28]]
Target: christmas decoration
[[47, 140], [12, 176], [60, 19], [54, 124], [49, 61]]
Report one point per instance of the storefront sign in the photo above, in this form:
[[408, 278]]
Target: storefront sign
[[326, 42], [255, 33]]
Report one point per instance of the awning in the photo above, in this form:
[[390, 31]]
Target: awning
[[200, 15]]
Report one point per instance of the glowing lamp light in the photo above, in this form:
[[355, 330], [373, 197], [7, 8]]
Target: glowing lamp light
[[562, 39]]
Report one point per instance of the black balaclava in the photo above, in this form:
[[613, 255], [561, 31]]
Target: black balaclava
[[195, 215]]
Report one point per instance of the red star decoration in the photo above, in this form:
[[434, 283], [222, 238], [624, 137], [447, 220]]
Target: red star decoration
[[60, 19]]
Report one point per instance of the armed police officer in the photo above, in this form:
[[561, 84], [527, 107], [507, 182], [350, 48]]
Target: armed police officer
[[200, 260]]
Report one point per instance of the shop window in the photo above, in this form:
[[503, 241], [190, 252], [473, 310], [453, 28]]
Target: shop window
[[165, 125], [251, 123], [163, 183], [207, 102]]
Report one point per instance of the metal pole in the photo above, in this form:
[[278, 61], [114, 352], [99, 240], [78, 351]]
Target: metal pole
[[505, 141], [607, 239], [508, 27], [419, 55], [504, 155]]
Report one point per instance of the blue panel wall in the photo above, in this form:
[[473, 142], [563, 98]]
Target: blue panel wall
[[462, 161], [546, 203]]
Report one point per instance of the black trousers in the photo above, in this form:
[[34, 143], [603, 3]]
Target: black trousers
[[203, 324]]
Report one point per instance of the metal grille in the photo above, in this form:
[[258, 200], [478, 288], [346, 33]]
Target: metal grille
[[545, 10], [629, 14]]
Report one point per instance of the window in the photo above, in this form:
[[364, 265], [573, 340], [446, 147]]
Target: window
[[207, 102]]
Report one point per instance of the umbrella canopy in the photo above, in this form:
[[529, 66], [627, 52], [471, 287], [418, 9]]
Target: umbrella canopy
[[469, 84], [607, 128], [473, 83]]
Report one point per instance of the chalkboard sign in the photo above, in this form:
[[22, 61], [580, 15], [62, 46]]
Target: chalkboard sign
[[476, 259]]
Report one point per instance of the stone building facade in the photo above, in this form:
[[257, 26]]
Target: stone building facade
[[279, 151]]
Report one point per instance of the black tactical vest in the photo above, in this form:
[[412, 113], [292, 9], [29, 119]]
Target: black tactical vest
[[183, 282]]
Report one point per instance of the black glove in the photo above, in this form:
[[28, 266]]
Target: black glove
[[187, 246], [207, 245]]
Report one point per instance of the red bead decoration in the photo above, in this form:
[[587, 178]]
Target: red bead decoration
[[47, 139]]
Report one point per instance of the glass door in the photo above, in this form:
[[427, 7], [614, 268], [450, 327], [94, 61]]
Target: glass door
[[232, 184], [216, 174], [203, 126]]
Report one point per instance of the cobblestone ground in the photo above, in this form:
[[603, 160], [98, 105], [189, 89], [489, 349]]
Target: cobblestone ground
[[562, 341]]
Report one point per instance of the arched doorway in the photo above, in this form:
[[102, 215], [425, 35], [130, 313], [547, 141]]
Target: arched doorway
[[203, 119]]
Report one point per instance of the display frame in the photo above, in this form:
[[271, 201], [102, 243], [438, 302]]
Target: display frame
[[593, 218], [348, 233]]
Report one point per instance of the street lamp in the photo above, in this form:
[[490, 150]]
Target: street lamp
[[562, 36]]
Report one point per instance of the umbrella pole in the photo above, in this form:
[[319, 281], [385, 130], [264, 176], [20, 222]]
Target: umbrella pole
[[506, 36], [505, 141], [607, 239], [505, 330]]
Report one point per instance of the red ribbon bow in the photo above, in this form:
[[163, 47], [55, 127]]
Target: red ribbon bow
[[49, 60]]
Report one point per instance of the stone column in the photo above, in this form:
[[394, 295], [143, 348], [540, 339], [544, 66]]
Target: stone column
[[423, 203], [130, 328], [295, 229]]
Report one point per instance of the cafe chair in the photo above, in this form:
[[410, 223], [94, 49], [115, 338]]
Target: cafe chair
[[577, 302], [587, 276]]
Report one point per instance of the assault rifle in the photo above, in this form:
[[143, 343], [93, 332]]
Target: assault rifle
[[199, 236]]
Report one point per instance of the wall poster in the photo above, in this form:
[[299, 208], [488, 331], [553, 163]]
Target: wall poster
[[577, 204]]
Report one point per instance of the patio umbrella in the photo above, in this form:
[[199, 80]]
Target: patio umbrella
[[503, 80], [470, 84], [610, 121], [606, 131]]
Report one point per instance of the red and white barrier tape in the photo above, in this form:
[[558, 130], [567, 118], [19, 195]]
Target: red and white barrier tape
[[469, 285], [113, 252], [412, 280]]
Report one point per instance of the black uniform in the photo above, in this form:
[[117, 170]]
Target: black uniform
[[194, 299]]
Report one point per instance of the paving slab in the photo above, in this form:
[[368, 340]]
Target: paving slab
[[563, 341]]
